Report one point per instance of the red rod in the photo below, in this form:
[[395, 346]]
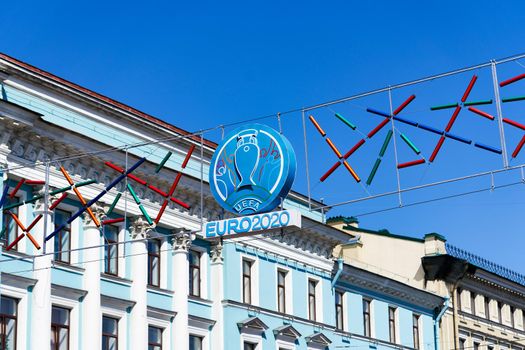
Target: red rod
[[317, 126], [35, 182], [412, 163], [378, 127], [18, 185], [404, 104], [353, 149], [37, 219], [159, 191], [188, 156], [453, 119], [436, 150], [512, 80], [131, 176], [161, 211], [57, 202], [513, 123], [17, 239], [112, 221], [181, 203], [170, 193], [469, 88], [79, 195], [330, 171], [518, 147], [481, 113]]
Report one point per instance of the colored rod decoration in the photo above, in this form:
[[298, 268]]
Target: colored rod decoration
[[79, 196], [25, 231], [113, 205], [514, 123], [410, 143], [335, 150], [174, 186], [58, 201], [458, 138], [4, 194], [477, 103], [163, 161], [469, 88], [346, 121], [437, 108], [97, 198], [17, 187], [35, 182], [512, 80], [513, 99], [369, 135], [141, 207], [112, 221], [518, 147], [409, 164], [380, 157], [481, 113], [488, 148]]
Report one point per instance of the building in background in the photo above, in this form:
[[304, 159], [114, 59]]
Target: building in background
[[486, 300]]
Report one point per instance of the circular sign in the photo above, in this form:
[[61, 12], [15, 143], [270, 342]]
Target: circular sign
[[252, 169]]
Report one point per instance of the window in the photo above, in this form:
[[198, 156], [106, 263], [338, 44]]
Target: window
[[195, 273], [154, 263], [10, 229], [247, 281], [281, 291], [415, 330], [500, 308], [195, 342], [392, 324], [249, 346], [511, 310], [111, 250], [109, 333], [8, 323], [487, 308], [339, 309], [63, 238], [366, 317], [476, 346], [462, 344], [473, 302], [311, 299], [459, 298], [155, 338], [59, 328]]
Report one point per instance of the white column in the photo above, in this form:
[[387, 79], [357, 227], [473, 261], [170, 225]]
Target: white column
[[217, 295], [92, 314], [41, 296], [181, 244], [139, 286]]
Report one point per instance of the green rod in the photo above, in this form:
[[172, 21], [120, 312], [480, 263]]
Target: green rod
[[436, 108], [110, 210], [33, 199], [60, 190], [85, 183], [133, 194], [477, 103], [148, 219], [346, 121], [385, 143], [3, 231], [373, 172], [512, 99], [14, 205], [410, 144], [164, 160]]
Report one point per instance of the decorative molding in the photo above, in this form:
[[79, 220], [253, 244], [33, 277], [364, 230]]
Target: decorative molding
[[181, 240], [116, 303], [140, 229], [200, 322], [319, 339], [161, 314], [253, 323], [287, 331], [216, 255], [100, 213], [67, 292], [17, 281]]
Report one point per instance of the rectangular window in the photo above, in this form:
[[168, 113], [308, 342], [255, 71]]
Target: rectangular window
[[366, 317], [473, 302], [63, 237], [311, 299], [109, 333], [8, 311], [195, 342], [339, 309], [249, 346], [247, 281], [462, 344], [281, 291], [500, 312], [487, 308], [111, 250], [511, 310], [476, 346], [10, 229], [154, 263], [458, 291], [155, 338], [415, 330], [195, 273], [59, 328], [392, 324]]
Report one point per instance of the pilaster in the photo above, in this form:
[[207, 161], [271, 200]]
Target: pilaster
[[217, 288]]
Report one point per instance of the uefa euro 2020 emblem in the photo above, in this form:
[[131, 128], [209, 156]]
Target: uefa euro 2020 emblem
[[252, 169]]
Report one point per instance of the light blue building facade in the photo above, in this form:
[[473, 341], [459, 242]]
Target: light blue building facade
[[135, 284]]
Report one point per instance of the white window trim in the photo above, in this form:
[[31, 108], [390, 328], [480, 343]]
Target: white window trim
[[166, 331], [254, 279], [318, 298], [288, 292], [281, 344], [21, 313], [203, 270], [122, 324], [251, 338], [420, 330], [164, 256], [73, 317], [345, 309]]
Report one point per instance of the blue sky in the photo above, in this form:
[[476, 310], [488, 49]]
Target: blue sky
[[200, 64]]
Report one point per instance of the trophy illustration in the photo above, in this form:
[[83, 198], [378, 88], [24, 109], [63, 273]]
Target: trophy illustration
[[246, 158]]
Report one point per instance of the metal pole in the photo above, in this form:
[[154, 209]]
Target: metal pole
[[500, 115], [202, 182], [46, 206], [400, 199], [306, 161]]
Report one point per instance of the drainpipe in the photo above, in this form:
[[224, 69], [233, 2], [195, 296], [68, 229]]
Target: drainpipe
[[339, 271], [437, 320]]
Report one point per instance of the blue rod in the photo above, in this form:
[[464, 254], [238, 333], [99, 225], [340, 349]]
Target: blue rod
[[375, 111], [4, 194], [431, 129], [406, 121], [458, 138], [488, 148]]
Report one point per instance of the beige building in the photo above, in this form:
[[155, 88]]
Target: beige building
[[486, 301]]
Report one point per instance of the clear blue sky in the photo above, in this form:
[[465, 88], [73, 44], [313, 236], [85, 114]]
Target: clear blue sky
[[199, 64]]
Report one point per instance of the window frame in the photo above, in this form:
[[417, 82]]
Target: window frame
[[6, 218], [55, 327], [312, 297], [416, 319], [367, 317], [108, 335], [392, 324], [339, 310], [249, 278], [159, 345], [58, 254], [151, 257], [3, 323], [107, 252], [473, 303], [192, 267], [284, 289]]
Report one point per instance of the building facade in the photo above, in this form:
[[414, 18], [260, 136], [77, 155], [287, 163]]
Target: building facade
[[134, 272]]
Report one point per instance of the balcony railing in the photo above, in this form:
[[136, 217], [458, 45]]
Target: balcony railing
[[485, 264]]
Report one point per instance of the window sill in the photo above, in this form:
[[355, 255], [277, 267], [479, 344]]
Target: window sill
[[67, 267], [116, 279], [200, 300], [159, 290]]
